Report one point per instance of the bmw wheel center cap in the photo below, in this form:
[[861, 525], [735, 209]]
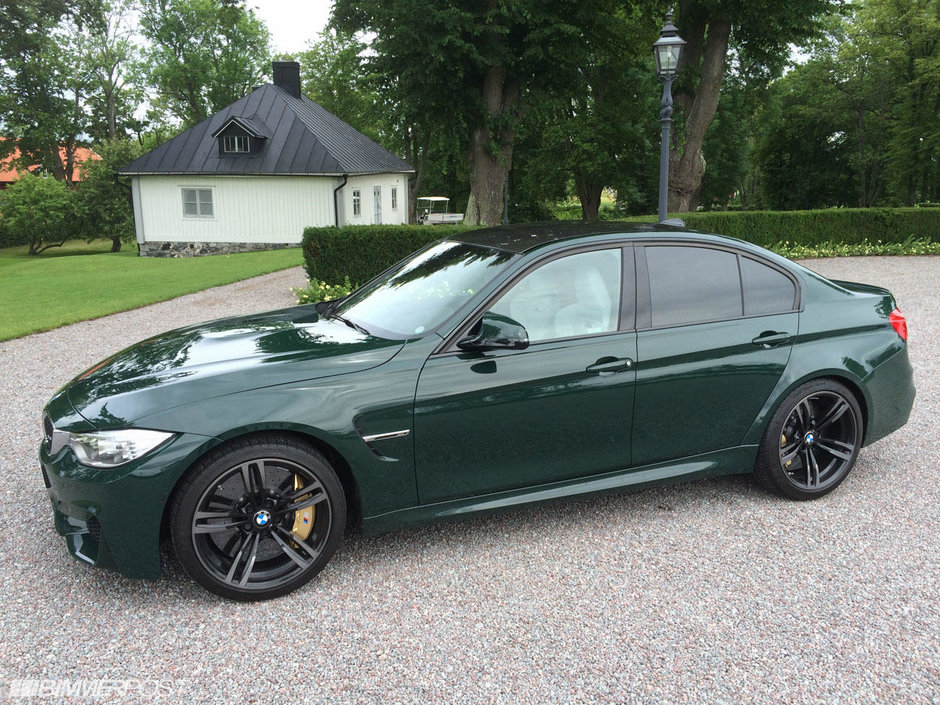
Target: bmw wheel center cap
[[262, 518], [810, 438]]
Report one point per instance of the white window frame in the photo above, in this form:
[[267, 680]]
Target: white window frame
[[357, 202], [236, 144], [394, 198], [203, 199]]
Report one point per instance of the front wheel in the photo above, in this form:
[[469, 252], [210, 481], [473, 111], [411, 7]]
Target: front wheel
[[258, 518], [811, 442]]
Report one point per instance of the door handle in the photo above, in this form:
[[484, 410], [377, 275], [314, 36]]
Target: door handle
[[771, 339], [609, 365]]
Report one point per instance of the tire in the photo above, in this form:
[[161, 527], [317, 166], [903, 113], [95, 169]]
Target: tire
[[242, 526], [811, 442]]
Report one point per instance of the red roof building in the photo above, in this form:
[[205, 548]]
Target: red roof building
[[9, 174]]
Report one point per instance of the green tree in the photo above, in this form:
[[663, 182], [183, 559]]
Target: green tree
[[42, 86], [110, 51], [203, 55], [857, 124], [333, 73], [38, 211], [477, 67], [804, 151], [762, 30], [598, 132], [104, 205]]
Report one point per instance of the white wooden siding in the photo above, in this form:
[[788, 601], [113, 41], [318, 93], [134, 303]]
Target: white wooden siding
[[273, 209], [366, 186]]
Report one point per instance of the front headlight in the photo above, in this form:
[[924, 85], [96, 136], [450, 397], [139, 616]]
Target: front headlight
[[109, 449]]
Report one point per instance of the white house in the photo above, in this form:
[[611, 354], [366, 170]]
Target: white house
[[255, 174]]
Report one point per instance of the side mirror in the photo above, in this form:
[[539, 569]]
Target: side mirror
[[495, 332]]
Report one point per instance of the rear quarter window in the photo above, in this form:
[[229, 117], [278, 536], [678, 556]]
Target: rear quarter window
[[766, 290]]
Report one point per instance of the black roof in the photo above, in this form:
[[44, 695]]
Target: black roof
[[528, 236], [299, 137]]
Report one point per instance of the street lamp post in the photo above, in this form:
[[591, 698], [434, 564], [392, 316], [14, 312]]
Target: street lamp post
[[667, 50]]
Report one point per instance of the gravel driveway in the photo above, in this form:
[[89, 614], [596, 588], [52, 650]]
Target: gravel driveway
[[707, 592]]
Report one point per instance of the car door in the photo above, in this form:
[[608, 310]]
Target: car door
[[559, 409], [715, 330]]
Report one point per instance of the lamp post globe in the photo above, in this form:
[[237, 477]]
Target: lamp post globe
[[667, 51]]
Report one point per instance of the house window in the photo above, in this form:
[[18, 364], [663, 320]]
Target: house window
[[394, 198], [236, 143], [197, 203], [357, 202]]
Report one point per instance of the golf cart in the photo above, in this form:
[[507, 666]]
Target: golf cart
[[434, 210]]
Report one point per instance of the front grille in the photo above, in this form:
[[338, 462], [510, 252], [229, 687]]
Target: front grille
[[94, 528], [48, 429]]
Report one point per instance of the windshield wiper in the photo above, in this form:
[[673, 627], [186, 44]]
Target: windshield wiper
[[354, 326]]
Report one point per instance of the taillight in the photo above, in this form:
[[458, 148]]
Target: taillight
[[899, 323]]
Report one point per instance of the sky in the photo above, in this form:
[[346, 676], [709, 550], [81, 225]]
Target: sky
[[292, 23]]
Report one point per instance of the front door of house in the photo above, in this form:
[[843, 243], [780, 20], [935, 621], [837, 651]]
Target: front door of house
[[377, 200]]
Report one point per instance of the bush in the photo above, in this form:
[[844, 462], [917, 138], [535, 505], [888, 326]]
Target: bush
[[359, 252], [37, 211], [317, 291], [846, 226], [105, 207]]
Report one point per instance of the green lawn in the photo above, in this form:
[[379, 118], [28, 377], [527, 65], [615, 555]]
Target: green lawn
[[81, 281]]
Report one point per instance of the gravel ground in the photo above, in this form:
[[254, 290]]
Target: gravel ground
[[707, 592]]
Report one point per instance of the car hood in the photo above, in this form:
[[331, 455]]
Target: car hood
[[222, 357]]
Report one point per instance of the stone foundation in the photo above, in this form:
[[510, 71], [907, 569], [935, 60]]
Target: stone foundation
[[198, 249]]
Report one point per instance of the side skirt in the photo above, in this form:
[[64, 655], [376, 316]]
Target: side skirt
[[730, 461]]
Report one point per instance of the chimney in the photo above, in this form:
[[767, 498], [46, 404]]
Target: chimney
[[287, 76]]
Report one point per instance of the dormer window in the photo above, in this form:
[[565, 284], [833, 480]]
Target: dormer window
[[241, 135], [236, 144]]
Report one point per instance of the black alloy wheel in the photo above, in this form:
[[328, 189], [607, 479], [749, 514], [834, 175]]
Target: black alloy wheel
[[812, 441], [259, 518]]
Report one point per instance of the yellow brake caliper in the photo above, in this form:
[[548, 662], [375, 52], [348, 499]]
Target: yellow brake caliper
[[303, 520], [783, 443]]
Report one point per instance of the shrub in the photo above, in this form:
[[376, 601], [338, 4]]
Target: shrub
[[37, 211], [105, 207], [359, 252], [847, 226], [316, 291]]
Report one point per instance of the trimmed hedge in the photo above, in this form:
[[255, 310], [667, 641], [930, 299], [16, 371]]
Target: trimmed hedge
[[847, 226], [362, 251]]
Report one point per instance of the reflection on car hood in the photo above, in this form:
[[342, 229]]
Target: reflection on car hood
[[222, 357]]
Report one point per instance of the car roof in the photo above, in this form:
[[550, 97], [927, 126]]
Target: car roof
[[526, 237]]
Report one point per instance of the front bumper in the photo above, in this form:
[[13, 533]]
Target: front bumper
[[112, 518]]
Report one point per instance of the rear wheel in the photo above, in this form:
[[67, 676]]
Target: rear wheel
[[259, 518], [811, 442]]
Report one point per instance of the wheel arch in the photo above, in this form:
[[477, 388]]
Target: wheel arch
[[339, 463], [759, 427]]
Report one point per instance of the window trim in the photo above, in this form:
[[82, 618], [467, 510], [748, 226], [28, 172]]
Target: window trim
[[394, 198], [644, 315], [627, 319], [357, 203], [199, 215], [235, 142]]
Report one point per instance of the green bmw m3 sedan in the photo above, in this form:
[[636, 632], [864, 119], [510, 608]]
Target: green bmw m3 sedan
[[490, 369]]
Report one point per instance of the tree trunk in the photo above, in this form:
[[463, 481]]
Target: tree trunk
[[491, 148], [686, 165], [589, 193], [115, 244], [419, 159]]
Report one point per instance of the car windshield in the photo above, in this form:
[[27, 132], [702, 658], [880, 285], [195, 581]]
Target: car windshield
[[421, 293]]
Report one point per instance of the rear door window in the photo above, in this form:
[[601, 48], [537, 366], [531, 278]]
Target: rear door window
[[692, 285]]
